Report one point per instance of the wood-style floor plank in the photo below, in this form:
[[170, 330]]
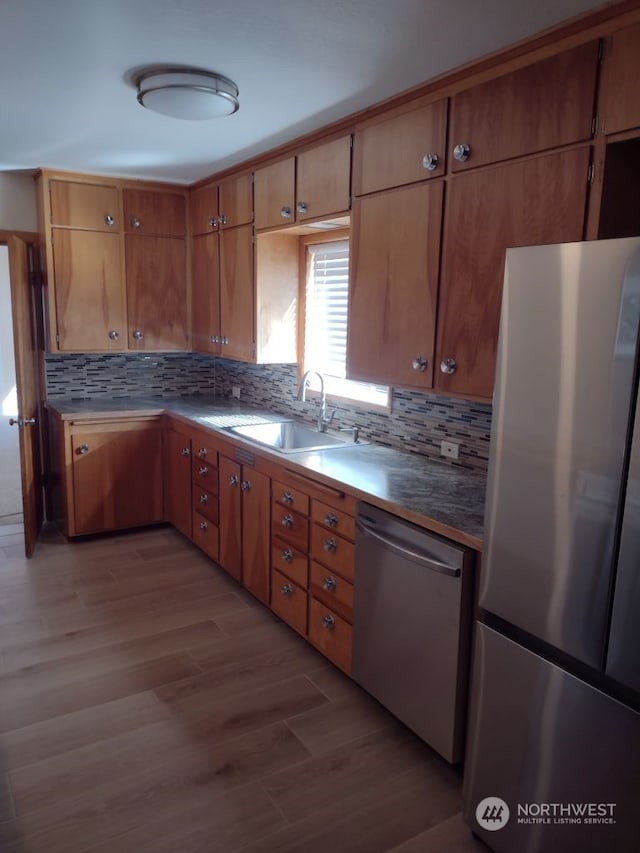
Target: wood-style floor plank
[[148, 704]]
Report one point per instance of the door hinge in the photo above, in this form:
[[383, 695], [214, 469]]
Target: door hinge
[[594, 126], [600, 50], [591, 173], [57, 339]]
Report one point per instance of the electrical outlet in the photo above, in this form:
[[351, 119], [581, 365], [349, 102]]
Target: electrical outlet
[[449, 449], [235, 392]]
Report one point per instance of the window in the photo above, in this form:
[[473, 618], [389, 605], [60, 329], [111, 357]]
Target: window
[[325, 322]]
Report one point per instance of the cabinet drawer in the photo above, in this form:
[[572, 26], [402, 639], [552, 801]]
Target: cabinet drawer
[[205, 535], [290, 561], [331, 634], [205, 453], [290, 497], [206, 503], [291, 526], [91, 206], [333, 519], [332, 551], [332, 590], [289, 602], [206, 475]]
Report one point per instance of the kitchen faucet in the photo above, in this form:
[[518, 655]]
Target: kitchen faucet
[[323, 419]]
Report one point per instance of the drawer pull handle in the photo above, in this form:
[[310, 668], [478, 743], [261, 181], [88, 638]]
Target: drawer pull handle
[[109, 220], [287, 589], [328, 622], [138, 335], [82, 449], [203, 470], [245, 485], [114, 335], [287, 498], [331, 520], [330, 545], [287, 521], [233, 480], [203, 525], [287, 555], [204, 499], [185, 451], [329, 584], [202, 452]]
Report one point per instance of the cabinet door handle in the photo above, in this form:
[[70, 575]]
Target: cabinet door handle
[[114, 334], [302, 207], [330, 545], [287, 555], [203, 525], [202, 452], [224, 340], [138, 335], [329, 584], [285, 212], [214, 339], [82, 449], [331, 519], [328, 622], [109, 220], [462, 152], [203, 470], [448, 366], [204, 499], [287, 498], [135, 222], [245, 485], [213, 222], [185, 451], [430, 162], [234, 480], [287, 521], [419, 363], [287, 589], [223, 219]]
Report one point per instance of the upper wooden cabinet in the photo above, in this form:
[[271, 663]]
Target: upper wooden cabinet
[[205, 293], [237, 288], [393, 285], [157, 298], [318, 185], [236, 201], [157, 213], [544, 105], [620, 101], [203, 209], [531, 202], [92, 206], [402, 149]]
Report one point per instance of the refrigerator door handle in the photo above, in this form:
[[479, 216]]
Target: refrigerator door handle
[[398, 547]]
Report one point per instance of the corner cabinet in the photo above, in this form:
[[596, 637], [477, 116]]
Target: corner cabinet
[[116, 265], [393, 289]]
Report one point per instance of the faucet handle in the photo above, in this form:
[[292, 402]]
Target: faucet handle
[[354, 430]]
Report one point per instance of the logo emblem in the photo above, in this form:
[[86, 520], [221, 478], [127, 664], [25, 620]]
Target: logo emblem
[[492, 813]]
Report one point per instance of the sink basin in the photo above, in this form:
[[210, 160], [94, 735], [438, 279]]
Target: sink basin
[[288, 436]]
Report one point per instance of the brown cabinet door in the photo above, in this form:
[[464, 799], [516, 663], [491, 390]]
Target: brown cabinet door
[[92, 206], [230, 517], [393, 286], [620, 105], [117, 478], [90, 302], [203, 209], [156, 293], [205, 293], [255, 532], [236, 201], [148, 212], [392, 152], [177, 481], [237, 293], [542, 106], [274, 194], [324, 180], [529, 203]]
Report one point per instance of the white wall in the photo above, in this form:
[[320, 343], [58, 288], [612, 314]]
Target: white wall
[[18, 211]]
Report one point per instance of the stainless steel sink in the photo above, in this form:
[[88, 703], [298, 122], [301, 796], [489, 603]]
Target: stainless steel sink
[[289, 437]]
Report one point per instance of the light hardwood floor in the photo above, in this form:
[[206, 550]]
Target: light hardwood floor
[[148, 703]]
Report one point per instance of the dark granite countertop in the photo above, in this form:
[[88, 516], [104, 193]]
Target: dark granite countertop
[[440, 497]]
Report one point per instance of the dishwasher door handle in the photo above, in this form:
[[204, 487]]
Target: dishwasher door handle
[[397, 546]]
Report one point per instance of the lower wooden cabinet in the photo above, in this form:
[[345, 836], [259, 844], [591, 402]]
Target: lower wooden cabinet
[[289, 601], [331, 634], [177, 480], [114, 475]]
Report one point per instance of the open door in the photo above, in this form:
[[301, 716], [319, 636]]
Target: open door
[[26, 356]]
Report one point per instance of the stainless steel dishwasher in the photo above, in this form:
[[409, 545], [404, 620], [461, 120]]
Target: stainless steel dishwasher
[[412, 624]]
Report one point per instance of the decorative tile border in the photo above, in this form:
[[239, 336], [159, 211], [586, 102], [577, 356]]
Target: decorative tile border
[[417, 422]]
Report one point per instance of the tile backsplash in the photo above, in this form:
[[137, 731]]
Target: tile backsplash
[[417, 421]]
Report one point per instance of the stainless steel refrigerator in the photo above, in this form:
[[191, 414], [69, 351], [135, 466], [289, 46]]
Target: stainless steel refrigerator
[[553, 750]]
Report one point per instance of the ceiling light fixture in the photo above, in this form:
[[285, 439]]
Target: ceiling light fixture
[[187, 93]]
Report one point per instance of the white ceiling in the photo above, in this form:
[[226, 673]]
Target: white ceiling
[[66, 100]]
